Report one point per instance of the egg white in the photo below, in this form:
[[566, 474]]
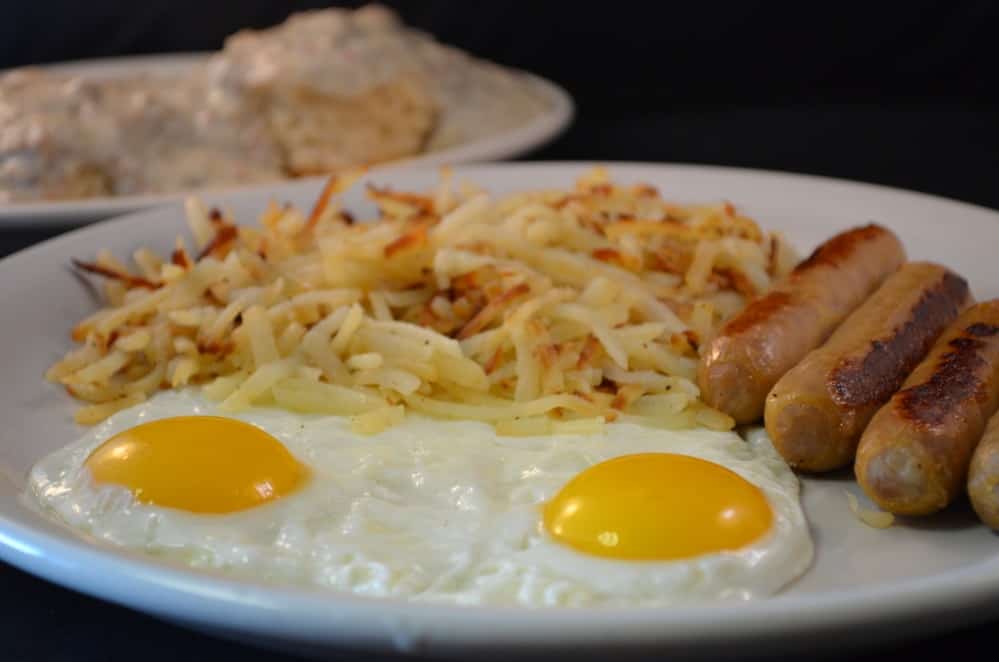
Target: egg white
[[442, 511]]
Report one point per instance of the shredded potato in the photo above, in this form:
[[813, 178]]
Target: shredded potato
[[877, 519], [542, 312]]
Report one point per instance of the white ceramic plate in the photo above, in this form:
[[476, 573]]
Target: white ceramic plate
[[505, 145], [866, 585]]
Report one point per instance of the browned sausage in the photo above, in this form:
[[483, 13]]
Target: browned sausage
[[913, 457], [983, 477], [755, 348], [816, 412]]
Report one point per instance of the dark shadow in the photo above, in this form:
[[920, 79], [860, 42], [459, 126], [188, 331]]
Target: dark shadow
[[955, 517], [844, 475]]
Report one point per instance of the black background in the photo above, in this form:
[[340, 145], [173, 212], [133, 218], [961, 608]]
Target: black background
[[903, 94]]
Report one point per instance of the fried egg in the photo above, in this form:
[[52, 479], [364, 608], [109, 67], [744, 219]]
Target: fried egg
[[433, 510]]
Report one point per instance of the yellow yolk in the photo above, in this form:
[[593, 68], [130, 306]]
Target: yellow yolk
[[201, 464], [657, 506]]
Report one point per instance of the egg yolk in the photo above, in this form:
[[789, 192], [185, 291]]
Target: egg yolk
[[201, 464], [657, 506]]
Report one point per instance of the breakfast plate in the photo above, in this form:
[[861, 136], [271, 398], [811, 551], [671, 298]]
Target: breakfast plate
[[515, 142], [865, 585]]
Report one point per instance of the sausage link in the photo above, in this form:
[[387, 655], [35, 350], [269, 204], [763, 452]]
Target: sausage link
[[913, 457], [983, 476], [816, 412], [755, 348]]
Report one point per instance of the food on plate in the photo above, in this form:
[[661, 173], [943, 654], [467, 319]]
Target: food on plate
[[983, 476], [337, 88], [817, 411], [538, 311], [776, 330], [66, 137], [324, 90], [470, 399], [342, 88], [454, 396], [320, 133], [41, 159], [872, 517], [913, 457], [436, 510]]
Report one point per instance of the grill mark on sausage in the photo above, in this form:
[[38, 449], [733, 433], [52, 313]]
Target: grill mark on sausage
[[875, 376], [955, 379], [757, 312], [835, 251]]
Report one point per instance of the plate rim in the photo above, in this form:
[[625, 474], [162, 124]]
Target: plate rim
[[969, 592], [518, 141]]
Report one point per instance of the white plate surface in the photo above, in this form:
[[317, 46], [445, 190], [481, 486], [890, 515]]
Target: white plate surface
[[866, 585], [508, 144]]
